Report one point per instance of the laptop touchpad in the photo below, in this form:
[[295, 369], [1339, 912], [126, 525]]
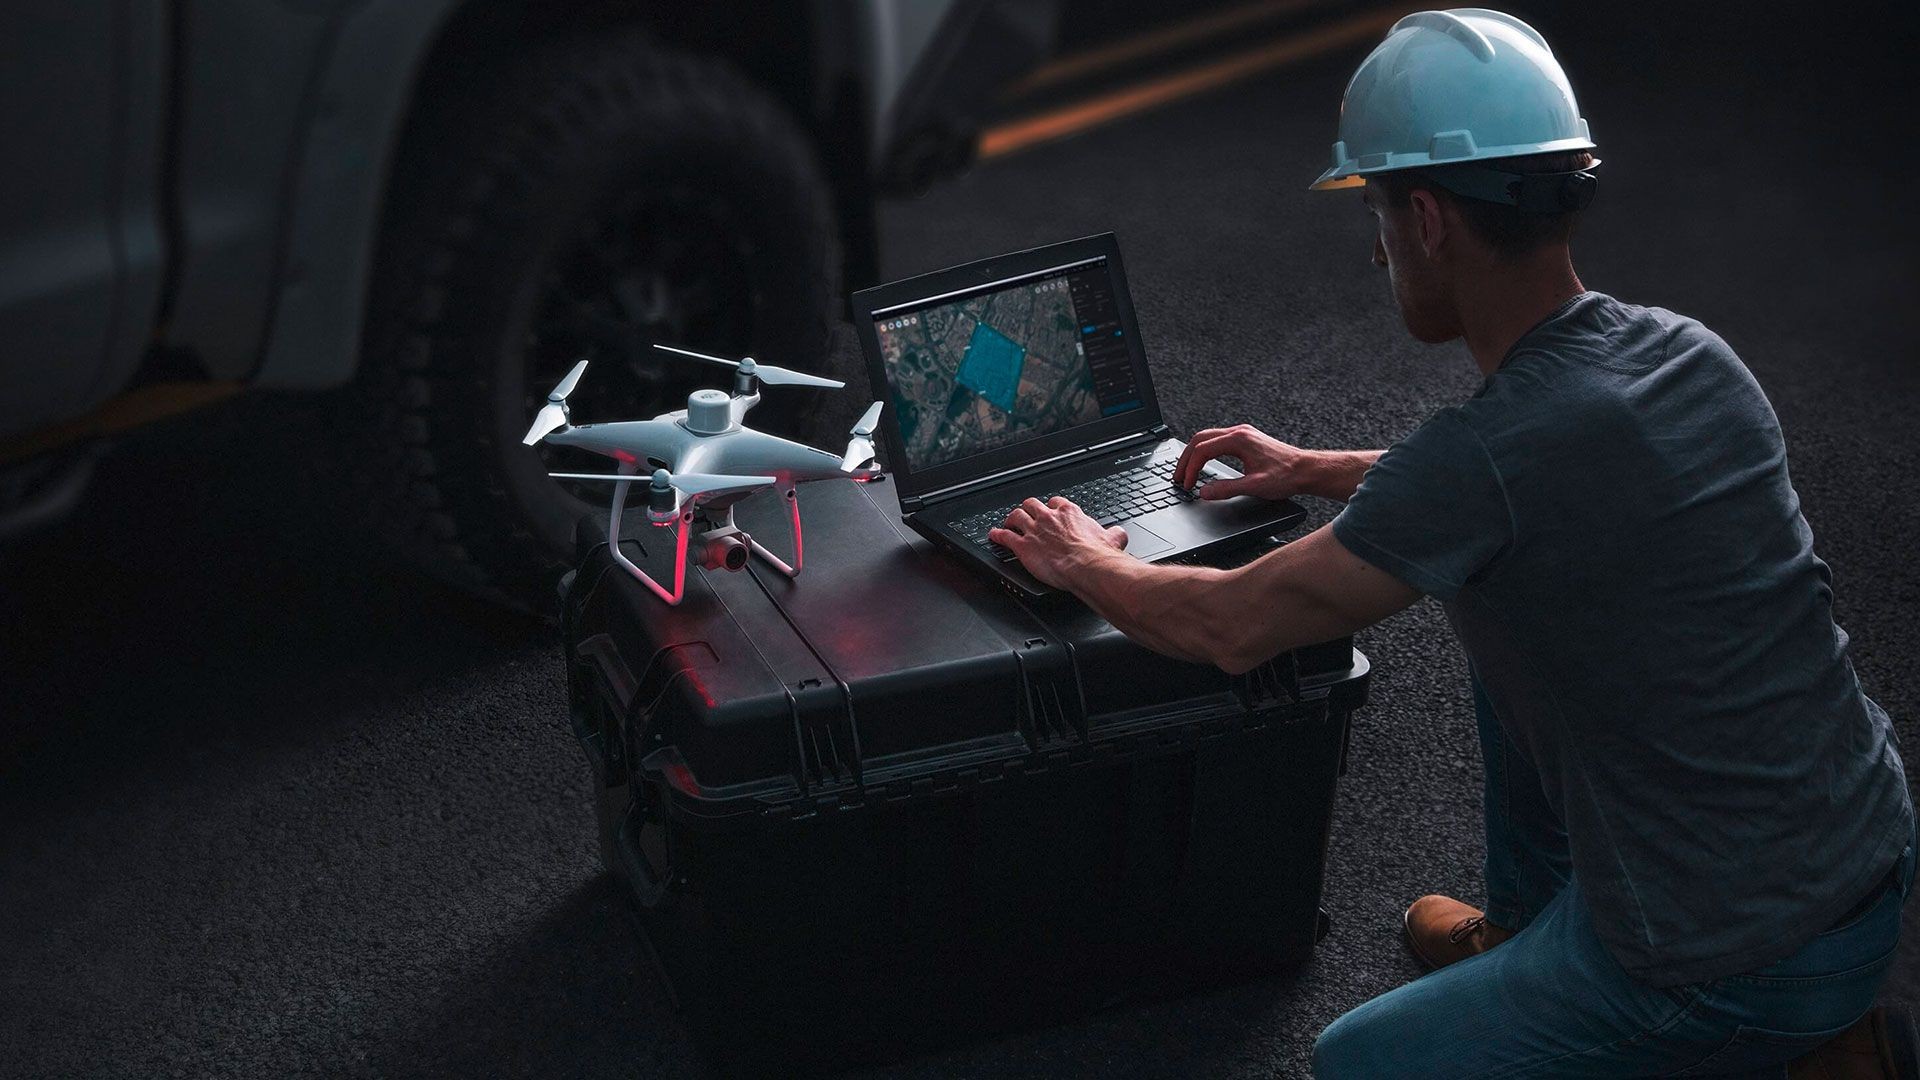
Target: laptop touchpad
[[1142, 542]]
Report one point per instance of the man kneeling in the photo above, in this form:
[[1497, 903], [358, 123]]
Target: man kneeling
[[1699, 836]]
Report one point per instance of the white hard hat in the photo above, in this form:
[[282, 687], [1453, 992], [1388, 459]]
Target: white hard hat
[[1453, 86]]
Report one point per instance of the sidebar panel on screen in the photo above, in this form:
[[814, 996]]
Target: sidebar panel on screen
[[1102, 340]]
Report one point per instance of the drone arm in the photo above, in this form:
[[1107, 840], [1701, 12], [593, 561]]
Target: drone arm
[[742, 403]]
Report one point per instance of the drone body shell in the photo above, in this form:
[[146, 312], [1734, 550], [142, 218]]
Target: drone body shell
[[666, 439]]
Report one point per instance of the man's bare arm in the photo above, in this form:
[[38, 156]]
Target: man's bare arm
[[1309, 591], [1271, 469], [1335, 474]]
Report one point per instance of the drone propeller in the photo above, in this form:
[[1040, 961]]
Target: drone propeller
[[554, 415], [860, 446], [766, 373], [687, 483], [708, 483]]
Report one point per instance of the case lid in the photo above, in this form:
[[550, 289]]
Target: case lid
[[882, 667]]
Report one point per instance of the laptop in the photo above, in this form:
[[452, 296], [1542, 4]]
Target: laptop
[[1022, 377]]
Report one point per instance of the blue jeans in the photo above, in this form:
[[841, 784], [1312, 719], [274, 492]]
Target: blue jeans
[[1553, 1002]]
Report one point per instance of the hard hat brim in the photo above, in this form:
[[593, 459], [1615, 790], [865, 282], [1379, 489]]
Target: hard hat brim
[[1350, 173]]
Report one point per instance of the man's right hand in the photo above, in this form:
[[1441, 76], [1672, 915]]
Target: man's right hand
[[1272, 469]]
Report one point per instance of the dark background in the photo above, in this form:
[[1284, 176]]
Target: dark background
[[269, 801]]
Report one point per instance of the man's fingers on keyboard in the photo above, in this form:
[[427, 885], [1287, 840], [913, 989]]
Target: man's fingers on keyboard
[[1227, 442], [1223, 488], [1204, 448], [1186, 461], [1006, 538], [1032, 506], [1060, 502], [1189, 470], [1186, 458]]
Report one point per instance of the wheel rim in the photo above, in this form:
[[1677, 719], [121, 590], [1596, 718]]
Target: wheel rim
[[672, 266]]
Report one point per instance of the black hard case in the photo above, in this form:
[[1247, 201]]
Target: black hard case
[[888, 771]]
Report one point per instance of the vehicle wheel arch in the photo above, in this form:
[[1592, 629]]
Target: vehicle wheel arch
[[394, 61]]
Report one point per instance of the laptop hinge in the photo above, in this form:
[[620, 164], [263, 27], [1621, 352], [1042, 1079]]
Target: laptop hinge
[[918, 502]]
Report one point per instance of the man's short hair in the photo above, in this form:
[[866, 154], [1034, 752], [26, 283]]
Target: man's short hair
[[1509, 230]]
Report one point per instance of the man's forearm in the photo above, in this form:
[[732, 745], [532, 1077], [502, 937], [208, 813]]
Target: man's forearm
[[1334, 474], [1312, 589], [1166, 608]]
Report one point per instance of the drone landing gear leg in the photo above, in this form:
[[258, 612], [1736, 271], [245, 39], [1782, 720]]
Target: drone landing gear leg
[[793, 511], [682, 525]]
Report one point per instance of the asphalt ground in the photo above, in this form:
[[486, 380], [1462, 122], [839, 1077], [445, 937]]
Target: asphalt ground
[[272, 804]]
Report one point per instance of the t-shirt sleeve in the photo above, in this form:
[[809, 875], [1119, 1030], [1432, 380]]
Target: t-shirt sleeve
[[1432, 511]]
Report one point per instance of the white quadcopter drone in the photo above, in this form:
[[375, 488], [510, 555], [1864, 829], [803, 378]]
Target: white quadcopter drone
[[706, 435]]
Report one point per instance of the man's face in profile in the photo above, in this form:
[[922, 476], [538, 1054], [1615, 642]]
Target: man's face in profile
[[1418, 288]]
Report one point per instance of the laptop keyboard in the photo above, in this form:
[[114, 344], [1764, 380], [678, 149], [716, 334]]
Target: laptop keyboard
[[1108, 499]]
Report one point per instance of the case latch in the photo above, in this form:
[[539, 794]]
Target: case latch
[[1051, 709], [1277, 680], [826, 738]]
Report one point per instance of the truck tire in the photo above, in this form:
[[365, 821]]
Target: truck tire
[[608, 177]]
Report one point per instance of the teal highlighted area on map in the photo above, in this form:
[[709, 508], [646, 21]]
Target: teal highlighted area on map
[[992, 366]]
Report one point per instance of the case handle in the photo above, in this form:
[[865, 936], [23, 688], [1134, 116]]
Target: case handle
[[650, 886]]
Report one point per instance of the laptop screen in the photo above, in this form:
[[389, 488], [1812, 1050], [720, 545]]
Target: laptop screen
[[989, 367]]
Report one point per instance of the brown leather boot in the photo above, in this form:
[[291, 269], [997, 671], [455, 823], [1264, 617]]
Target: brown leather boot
[[1879, 1045], [1442, 931]]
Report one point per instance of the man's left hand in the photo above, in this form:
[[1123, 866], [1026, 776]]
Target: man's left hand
[[1051, 538]]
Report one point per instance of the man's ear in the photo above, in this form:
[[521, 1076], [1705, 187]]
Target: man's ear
[[1429, 221]]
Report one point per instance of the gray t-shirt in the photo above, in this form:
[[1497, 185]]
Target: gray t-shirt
[[1610, 527]]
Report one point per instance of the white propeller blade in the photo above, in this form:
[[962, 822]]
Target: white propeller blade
[[687, 483], [697, 355], [567, 384], [551, 418], [860, 446], [766, 373], [553, 415], [705, 483], [779, 376]]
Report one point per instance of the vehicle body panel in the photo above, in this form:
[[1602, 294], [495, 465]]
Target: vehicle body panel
[[199, 188], [337, 192], [247, 123], [80, 229]]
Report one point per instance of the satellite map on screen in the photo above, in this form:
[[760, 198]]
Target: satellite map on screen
[[983, 372]]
